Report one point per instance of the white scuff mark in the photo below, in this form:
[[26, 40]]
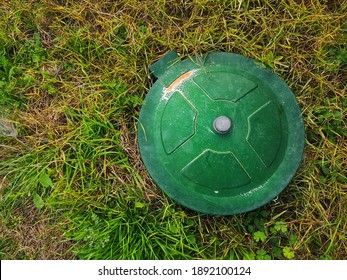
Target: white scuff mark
[[167, 92]]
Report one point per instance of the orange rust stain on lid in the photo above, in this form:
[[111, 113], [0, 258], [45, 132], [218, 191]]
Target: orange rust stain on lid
[[179, 80]]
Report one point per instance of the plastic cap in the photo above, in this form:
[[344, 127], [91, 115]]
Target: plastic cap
[[222, 124]]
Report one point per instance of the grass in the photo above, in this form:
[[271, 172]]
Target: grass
[[73, 75]]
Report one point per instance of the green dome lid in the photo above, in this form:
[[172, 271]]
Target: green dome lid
[[218, 133]]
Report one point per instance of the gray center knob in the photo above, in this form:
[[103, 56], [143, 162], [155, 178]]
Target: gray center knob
[[222, 124]]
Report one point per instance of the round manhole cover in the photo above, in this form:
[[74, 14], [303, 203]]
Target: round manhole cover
[[218, 133]]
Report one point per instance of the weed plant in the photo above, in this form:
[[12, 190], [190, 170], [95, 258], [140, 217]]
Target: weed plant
[[73, 76]]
